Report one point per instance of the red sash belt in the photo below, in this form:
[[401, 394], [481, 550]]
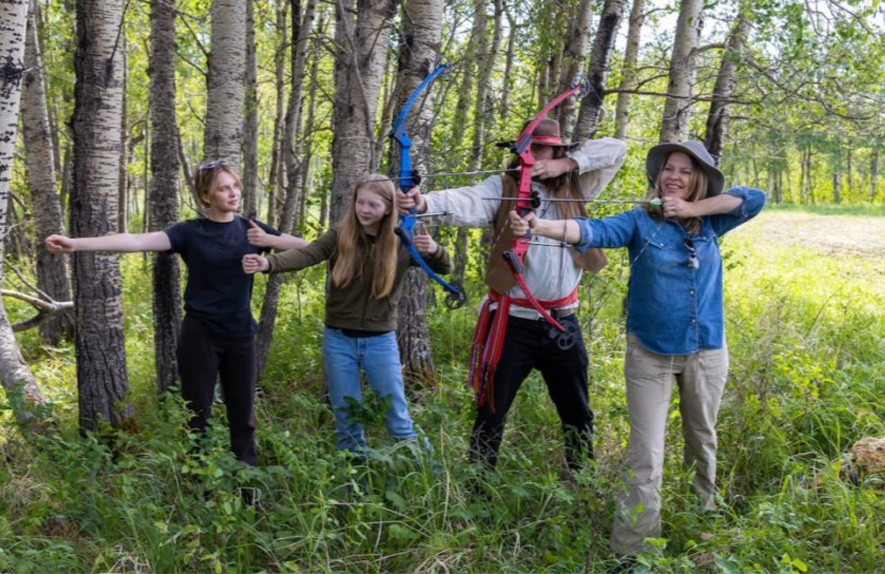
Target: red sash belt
[[488, 340]]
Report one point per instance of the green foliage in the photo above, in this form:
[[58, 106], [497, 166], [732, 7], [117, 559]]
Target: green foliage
[[806, 339]]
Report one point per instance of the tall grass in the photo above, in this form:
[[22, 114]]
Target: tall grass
[[806, 339]]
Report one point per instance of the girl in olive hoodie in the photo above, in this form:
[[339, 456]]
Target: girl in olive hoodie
[[368, 263]]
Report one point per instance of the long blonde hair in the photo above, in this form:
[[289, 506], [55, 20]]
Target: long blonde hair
[[697, 185], [357, 251]]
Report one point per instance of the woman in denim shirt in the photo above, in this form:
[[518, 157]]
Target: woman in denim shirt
[[675, 325]]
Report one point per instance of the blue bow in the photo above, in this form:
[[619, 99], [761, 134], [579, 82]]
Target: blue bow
[[407, 180]]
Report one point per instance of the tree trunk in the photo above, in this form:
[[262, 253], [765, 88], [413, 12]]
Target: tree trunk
[[591, 106], [874, 172], [717, 119], [301, 27], [276, 177], [163, 194], [40, 162], [683, 64], [574, 55], [225, 83], [631, 54], [509, 59], [14, 373], [418, 51], [123, 186], [250, 119], [306, 173], [98, 104], [837, 185], [361, 34], [464, 77], [487, 56]]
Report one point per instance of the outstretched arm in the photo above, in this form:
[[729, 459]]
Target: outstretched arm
[[116, 243], [565, 230], [260, 238]]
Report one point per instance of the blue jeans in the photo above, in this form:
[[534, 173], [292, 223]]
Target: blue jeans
[[378, 357]]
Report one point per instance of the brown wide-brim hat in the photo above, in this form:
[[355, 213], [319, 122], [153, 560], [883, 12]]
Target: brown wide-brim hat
[[545, 133], [659, 154]]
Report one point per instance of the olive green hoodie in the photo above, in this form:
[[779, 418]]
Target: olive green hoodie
[[354, 307]]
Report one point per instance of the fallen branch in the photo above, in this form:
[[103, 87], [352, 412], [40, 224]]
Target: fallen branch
[[45, 309]]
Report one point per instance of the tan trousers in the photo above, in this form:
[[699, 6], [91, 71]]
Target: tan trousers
[[701, 379]]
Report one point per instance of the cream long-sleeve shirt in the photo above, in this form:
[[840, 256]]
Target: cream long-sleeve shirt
[[550, 272]]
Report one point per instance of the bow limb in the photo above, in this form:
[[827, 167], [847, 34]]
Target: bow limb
[[407, 180], [523, 149]]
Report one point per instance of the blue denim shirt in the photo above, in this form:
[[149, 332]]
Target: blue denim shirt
[[674, 307]]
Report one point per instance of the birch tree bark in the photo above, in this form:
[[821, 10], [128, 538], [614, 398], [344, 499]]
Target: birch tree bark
[[628, 81], [163, 196], [603, 44], [301, 28], [418, 52], [250, 118], [225, 83], [362, 32], [276, 175], [40, 162], [717, 119], [574, 55], [683, 67], [102, 381], [14, 373]]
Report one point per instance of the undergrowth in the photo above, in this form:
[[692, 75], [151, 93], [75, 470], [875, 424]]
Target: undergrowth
[[806, 337]]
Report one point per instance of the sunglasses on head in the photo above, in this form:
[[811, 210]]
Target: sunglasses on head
[[692, 254], [213, 164]]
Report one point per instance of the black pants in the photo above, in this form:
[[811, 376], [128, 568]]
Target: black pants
[[203, 358], [527, 346]]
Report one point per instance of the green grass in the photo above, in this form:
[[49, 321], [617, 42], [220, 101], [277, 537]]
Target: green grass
[[806, 336]]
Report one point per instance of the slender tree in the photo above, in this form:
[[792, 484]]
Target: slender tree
[[683, 68], [250, 118], [301, 29], [102, 381], [574, 55], [418, 52], [628, 78], [163, 196], [717, 118], [603, 45], [14, 372], [40, 162], [361, 35]]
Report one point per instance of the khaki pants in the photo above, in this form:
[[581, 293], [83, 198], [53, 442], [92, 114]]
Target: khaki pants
[[701, 379]]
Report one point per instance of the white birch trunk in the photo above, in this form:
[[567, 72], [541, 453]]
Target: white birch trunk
[[683, 67], [14, 373], [226, 92], [362, 32]]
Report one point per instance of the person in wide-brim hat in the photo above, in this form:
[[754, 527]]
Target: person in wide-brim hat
[[675, 323], [547, 133], [658, 155]]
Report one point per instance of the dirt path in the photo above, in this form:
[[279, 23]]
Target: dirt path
[[831, 235]]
